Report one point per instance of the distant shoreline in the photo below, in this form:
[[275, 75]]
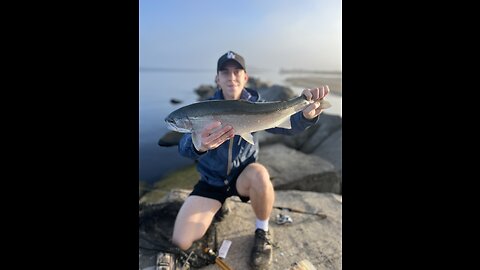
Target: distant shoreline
[[334, 84], [305, 71]]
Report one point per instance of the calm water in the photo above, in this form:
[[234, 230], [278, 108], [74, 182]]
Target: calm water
[[157, 87]]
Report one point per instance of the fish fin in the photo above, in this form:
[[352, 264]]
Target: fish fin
[[286, 124], [197, 139], [248, 137], [324, 104]]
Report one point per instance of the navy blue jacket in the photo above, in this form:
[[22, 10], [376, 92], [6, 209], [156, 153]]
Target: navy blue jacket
[[212, 165]]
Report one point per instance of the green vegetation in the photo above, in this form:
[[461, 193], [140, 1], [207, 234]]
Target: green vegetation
[[184, 178]]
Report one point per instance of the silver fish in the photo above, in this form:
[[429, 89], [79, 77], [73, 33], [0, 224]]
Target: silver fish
[[244, 116]]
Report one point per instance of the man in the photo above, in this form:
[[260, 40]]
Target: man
[[247, 179]]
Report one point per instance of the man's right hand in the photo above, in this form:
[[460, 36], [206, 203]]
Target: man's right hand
[[213, 135]]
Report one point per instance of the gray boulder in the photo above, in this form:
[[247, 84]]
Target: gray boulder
[[327, 125], [308, 140], [266, 138], [276, 93], [204, 91], [256, 83], [292, 169], [308, 237], [171, 138], [331, 150]]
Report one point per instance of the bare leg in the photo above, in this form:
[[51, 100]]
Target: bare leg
[[254, 182], [193, 220]]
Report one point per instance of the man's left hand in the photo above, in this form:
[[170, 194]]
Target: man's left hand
[[316, 94]]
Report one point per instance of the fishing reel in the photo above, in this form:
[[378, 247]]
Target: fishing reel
[[282, 219]]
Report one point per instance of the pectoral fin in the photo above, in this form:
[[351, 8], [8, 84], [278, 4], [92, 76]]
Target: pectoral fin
[[248, 137], [286, 123], [197, 139]]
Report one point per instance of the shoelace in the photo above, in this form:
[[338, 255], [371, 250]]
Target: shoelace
[[263, 235]]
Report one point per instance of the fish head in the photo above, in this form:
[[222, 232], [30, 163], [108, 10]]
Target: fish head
[[178, 123]]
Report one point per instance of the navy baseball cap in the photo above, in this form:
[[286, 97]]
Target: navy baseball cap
[[230, 56]]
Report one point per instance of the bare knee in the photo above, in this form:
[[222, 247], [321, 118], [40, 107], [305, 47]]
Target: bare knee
[[261, 179], [193, 220], [183, 244], [258, 171]]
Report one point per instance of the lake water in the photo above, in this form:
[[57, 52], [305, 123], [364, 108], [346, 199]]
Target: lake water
[[157, 87]]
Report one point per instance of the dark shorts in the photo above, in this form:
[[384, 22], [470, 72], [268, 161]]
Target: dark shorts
[[203, 189]]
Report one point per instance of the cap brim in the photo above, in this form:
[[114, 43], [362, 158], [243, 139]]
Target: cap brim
[[222, 66]]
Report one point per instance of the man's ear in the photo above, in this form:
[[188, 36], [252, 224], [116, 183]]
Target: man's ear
[[216, 81], [246, 77]]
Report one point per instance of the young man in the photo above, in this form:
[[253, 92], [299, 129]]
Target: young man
[[247, 179]]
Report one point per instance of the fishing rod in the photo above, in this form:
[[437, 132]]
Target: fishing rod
[[294, 210], [321, 215]]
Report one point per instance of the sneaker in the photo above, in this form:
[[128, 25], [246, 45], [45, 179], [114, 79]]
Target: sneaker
[[262, 251]]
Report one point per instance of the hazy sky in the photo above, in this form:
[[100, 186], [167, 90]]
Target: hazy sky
[[269, 34]]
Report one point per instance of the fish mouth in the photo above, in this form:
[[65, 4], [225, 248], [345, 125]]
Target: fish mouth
[[171, 124]]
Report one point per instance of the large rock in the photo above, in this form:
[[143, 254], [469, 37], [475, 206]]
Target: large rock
[[171, 138], [309, 237], [291, 169], [327, 125], [256, 83], [266, 138], [204, 91], [331, 150], [308, 140], [293, 141], [298, 140], [276, 93]]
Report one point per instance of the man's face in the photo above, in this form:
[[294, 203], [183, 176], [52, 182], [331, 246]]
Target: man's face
[[232, 79]]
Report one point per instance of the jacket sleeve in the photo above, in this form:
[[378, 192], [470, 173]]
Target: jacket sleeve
[[299, 123], [186, 148]]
